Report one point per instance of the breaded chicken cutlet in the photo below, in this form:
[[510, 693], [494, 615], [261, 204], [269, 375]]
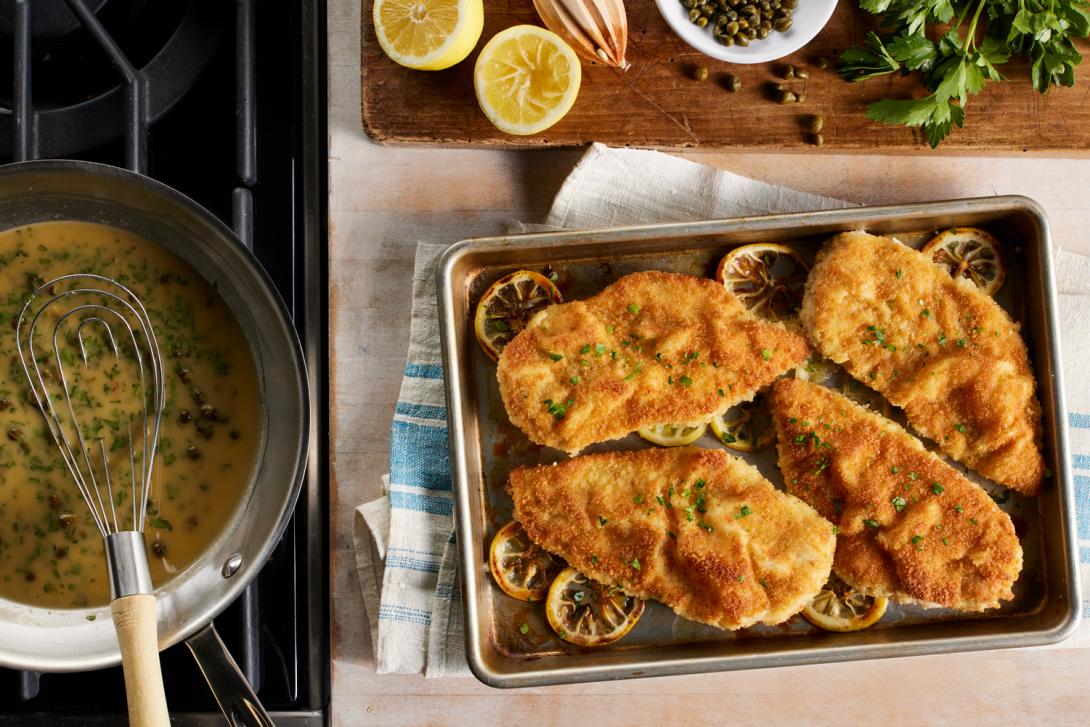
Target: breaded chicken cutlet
[[652, 348], [933, 345], [910, 526], [699, 530]]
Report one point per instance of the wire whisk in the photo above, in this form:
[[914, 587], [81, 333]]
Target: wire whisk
[[75, 306], [105, 324]]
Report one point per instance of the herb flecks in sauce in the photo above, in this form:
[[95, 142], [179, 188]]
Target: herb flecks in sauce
[[51, 553]]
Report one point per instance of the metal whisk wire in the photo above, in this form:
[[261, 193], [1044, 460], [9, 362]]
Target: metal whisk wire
[[126, 308]]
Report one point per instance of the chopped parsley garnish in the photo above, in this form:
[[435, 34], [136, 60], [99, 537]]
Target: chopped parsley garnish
[[685, 381], [599, 349], [602, 521], [638, 499], [942, 339], [898, 273], [961, 342], [766, 353], [836, 530], [1000, 499], [729, 438], [633, 308], [960, 428], [525, 628], [740, 578], [692, 355], [959, 509], [720, 392], [913, 476], [585, 348], [925, 313], [658, 356], [705, 526], [594, 559], [557, 410], [635, 563], [894, 469], [800, 438], [871, 523], [745, 511], [936, 488], [916, 539], [699, 484], [945, 541], [972, 521], [672, 534], [556, 356], [610, 329], [660, 500], [633, 373], [574, 379], [898, 503]]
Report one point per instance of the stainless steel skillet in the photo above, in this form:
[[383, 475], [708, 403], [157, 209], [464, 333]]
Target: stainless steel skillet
[[64, 640]]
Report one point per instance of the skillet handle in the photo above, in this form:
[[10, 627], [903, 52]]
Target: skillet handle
[[233, 693]]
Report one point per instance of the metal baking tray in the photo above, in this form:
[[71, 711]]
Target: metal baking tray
[[484, 447]]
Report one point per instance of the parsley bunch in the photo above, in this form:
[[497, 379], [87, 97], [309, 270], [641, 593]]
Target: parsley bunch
[[979, 36]]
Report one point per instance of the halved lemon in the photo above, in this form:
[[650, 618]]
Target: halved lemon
[[746, 427], [838, 607], [673, 435], [526, 79], [428, 35], [588, 613], [966, 252], [507, 307], [768, 278], [521, 568]]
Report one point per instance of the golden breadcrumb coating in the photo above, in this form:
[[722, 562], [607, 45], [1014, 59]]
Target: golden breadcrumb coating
[[652, 348], [933, 345], [698, 530], [910, 526]]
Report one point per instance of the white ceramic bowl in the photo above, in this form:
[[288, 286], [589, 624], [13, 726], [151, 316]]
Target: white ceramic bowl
[[807, 21]]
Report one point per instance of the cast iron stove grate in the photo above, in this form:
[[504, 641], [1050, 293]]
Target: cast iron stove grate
[[225, 102]]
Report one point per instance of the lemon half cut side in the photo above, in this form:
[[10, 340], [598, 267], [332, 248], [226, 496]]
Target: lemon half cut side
[[428, 35]]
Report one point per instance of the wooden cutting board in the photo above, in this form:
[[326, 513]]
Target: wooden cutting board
[[655, 103]]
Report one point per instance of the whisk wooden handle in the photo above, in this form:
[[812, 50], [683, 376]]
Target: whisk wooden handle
[[134, 620]]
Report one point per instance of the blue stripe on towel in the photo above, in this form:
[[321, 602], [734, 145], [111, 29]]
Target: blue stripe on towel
[[413, 564], [394, 612], [421, 503], [423, 371], [1081, 461], [1079, 420], [419, 456], [422, 411], [1082, 506]]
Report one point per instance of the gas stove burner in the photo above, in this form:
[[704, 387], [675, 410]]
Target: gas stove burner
[[77, 94], [48, 18]]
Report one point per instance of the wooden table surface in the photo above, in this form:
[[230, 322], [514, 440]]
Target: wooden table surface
[[385, 199]]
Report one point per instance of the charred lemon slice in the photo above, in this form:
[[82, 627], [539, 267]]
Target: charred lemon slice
[[746, 427], [673, 435], [588, 613], [837, 607], [521, 568], [966, 252], [766, 277], [508, 305]]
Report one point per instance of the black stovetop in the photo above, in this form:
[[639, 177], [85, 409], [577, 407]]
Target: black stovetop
[[234, 99]]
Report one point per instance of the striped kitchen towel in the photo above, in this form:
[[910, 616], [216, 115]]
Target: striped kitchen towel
[[404, 541]]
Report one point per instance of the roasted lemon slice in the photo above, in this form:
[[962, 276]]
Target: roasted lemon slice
[[508, 305], [588, 613], [428, 35], [967, 252], [526, 79], [837, 607], [673, 435], [746, 427], [766, 277], [521, 568]]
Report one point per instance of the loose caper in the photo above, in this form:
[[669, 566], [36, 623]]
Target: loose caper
[[732, 83], [54, 500], [787, 97], [4, 404], [15, 434], [762, 32], [700, 74], [782, 24], [727, 40], [741, 40], [159, 549], [788, 72], [822, 62], [800, 97], [802, 73], [694, 14], [816, 123], [185, 375], [702, 21], [184, 417], [198, 396], [192, 452], [818, 140]]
